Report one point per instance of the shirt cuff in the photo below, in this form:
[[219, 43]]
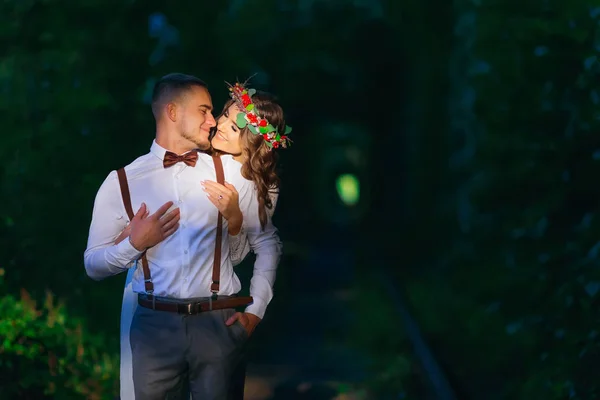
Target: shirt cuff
[[126, 253], [258, 308]]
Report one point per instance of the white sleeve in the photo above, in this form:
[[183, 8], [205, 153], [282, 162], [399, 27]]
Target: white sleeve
[[239, 247], [265, 243], [102, 258]]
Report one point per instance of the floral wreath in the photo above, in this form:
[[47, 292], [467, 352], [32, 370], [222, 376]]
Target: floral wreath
[[256, 124]]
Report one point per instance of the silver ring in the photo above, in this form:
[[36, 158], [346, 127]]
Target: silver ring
[[220, 196]]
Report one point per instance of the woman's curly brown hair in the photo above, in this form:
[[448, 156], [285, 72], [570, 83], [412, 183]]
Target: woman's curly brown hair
[[261, 162]]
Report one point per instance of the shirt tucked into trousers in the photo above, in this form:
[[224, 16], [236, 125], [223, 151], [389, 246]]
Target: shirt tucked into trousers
[[168, 346]]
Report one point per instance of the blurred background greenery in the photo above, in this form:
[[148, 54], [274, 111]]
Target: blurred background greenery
[[448, 147]]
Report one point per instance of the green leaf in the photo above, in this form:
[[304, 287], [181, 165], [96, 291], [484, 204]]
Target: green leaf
[[288, 129], [251, 92], [253, 129], [270, 128], [241, 121], [250, 107]]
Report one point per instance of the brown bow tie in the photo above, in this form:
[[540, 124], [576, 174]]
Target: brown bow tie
[[171, 159]]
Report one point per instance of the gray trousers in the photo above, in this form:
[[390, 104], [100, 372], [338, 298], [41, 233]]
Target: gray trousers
[[174, 353]]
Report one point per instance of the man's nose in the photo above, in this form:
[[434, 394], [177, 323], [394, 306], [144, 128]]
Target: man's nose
[[212, 121]]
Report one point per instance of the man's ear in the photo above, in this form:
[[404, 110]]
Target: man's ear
[[172, 111]]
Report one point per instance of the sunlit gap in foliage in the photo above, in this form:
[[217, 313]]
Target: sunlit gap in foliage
[[348, 188]]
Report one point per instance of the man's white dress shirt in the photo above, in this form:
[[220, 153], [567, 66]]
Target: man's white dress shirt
[[181, 265]]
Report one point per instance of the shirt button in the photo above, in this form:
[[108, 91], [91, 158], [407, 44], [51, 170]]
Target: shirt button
[[185, 252], [179, 201]]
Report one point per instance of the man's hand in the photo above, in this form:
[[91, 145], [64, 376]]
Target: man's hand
[[248, 321], [149, 230], [226, 199], [126, 232]]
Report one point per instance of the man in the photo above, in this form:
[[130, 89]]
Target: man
[[180, 250]]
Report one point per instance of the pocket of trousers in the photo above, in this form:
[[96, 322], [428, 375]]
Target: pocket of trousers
[[237, 330], [242, 332]]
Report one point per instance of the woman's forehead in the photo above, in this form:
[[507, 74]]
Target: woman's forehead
[[233, 111]]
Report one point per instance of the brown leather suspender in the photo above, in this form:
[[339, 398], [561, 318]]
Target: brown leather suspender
[[148, 285], [216, 275]]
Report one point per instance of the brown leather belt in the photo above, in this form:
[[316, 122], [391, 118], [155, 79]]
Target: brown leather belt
[[192, 307]]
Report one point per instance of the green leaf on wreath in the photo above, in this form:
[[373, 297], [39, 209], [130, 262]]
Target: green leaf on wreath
[[241, 121], [270, 128]]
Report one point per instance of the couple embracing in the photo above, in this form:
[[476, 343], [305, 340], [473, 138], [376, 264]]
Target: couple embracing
[[177, 220]]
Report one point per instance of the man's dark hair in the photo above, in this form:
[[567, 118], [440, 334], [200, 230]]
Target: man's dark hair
[[170, 87]]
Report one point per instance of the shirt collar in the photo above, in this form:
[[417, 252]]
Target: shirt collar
[[158, 150]]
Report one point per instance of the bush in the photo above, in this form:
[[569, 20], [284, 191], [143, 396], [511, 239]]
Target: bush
[[47, 354]]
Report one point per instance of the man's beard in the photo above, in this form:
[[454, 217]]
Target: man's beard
[[204, 145]]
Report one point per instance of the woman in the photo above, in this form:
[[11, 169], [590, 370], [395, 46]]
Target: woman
[[249, 128]]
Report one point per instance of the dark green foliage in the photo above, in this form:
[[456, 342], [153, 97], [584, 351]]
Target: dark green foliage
[[47, 353], [512, 307]]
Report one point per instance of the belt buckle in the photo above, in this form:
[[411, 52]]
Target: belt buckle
[[192, 308]]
